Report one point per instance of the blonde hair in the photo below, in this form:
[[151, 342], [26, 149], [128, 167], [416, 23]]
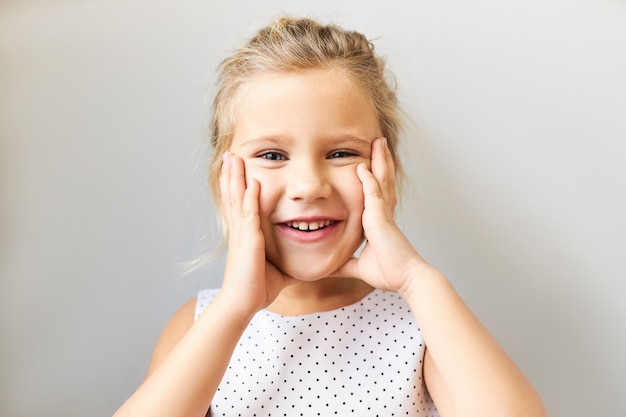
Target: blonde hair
[[298, 44]]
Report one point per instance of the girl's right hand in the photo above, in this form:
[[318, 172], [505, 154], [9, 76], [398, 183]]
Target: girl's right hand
[[250, 282]]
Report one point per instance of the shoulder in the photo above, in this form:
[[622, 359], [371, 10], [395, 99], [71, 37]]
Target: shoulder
[[178, 325], [387, 303]]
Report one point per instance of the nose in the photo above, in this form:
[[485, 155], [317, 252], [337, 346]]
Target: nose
[[308, 182]]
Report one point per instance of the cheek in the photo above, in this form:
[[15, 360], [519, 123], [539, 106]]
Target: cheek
[[270, 186], [352, 191], [358, 200]]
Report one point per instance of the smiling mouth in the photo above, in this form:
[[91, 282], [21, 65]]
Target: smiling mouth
[[309, 226]]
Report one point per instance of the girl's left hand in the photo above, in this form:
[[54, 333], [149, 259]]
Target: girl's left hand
[[388, 260]]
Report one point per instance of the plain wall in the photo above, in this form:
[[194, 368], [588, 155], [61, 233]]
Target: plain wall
[[517, 157]]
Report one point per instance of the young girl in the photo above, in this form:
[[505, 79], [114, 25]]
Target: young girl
[[305, 133]]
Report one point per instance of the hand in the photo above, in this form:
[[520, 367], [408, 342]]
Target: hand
[[250, 281], [388, 261]]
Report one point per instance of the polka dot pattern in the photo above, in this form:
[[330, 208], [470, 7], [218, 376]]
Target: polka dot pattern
[[364, 359]]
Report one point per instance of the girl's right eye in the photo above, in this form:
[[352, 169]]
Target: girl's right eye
[[272, 156]]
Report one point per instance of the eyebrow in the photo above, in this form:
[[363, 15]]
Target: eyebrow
[[282, 140], [277, 140]]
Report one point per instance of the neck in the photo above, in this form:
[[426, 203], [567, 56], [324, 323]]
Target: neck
[[323, 295]]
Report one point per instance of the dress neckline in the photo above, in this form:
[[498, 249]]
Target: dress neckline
[[369, 294]]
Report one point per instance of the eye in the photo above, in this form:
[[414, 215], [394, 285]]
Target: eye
[[272, 156], [341, 154]]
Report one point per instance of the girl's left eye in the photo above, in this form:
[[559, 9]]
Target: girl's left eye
[[341, 154]]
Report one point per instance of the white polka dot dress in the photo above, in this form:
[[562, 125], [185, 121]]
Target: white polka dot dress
[[364, 359]]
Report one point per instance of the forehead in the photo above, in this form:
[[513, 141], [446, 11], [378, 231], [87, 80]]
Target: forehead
[[307, 102]]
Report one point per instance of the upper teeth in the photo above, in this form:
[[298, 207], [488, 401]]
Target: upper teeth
[[309, 225]]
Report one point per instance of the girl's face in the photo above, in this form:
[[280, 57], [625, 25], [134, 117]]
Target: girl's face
[[301, 135]]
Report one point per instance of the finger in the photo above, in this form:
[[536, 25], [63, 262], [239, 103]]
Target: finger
[[371, 188], [391, 175], [378, 159], [383, 170], [250, 205], [236, 185], [347, 270]]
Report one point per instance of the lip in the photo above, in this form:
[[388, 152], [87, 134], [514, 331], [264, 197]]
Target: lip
[[309, 236]]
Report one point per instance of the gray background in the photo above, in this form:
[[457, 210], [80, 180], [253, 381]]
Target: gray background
[[517, 155]]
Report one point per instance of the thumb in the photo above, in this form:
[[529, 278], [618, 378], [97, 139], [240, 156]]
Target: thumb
[[349, 270]]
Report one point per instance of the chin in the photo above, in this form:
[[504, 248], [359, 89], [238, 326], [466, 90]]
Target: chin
[[307, 275], [310, 269], [313, 265]]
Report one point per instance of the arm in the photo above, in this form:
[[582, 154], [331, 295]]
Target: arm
[[191, 358], [465, 369], [186, 369]]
